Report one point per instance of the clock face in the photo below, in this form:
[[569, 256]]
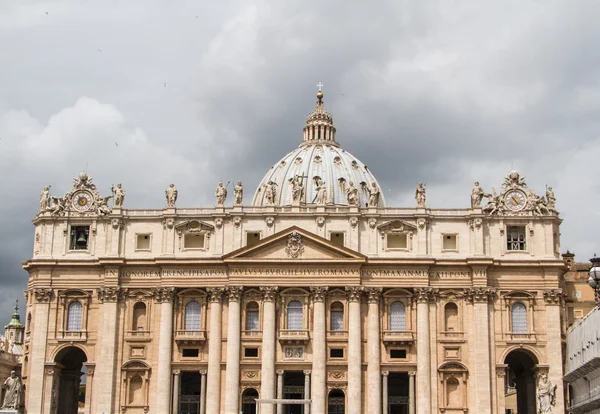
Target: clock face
[[82, 201], [515, 200]]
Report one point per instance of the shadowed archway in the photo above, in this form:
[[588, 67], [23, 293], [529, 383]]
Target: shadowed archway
[[520, 378], [70, 360]]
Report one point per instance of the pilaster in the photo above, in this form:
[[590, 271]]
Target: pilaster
[[554, 301], [35, 394]]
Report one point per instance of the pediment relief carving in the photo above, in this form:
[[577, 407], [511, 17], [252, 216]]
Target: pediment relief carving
[[194, 226], [397, 226]]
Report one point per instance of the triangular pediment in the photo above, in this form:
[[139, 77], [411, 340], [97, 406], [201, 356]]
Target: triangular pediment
[[294, 244]]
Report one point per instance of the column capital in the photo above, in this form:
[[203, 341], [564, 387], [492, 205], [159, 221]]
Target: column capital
[[89, 368], [269, 293], [234, 293], [176, 371], [553, 296], [163, 294], [280, 372], [412, 373], [480, 294], [42, 295], [307, 372], [373, 294], [109, 294], [319, 292], [354, 293], [424, 294], [385, 373], [202, 372], [215, 294]]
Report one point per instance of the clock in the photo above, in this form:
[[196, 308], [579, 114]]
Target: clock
[[82, 201], [515, 200]]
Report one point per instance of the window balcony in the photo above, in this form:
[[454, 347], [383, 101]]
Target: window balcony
[[293, 336], [518, 338], [398, 337], [451, 336], [138, 336], [337, 335], [190, 337], [72, 336], [252, 334]]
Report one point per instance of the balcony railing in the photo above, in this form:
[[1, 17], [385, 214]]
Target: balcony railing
[[188, 336], [337, 335], [293, 335], [138, 336], [451, 336], [252, 334], [398, 337], [520, 337], [72, 336]]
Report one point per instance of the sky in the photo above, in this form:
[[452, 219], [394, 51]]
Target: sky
[[153, 92]]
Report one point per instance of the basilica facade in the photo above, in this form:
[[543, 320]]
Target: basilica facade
[[315, 296]]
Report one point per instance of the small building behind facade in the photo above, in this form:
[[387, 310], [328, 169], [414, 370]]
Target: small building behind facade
[[314, 290], [11, 349], [579, 295]]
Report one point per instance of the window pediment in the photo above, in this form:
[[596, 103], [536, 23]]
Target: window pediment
[[396, 226], [194, 226]]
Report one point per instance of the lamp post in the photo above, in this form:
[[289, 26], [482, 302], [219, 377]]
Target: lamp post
[[594, 279]]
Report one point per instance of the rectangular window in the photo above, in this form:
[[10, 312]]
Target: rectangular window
[[576, 294], [397, 241], [337, 238], [397, 353], [515, 238], [194, 241], [251, 352], [578, 314], [252, 238], [142, 242], [449, 242], [190, 352], [336, 353], [79, 237]]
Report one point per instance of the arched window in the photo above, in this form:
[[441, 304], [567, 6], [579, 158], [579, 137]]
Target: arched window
[[337, 317], [192, 316], [252, 317], [519, 318], [74, 317], [294, 315], [453, 397], [139, 317], [249, 397], [397, 317], [136, 386], [336, 402], [451, 317]]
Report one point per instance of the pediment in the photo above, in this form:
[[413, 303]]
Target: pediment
[[397, 226], [194, 226], [295, 245]]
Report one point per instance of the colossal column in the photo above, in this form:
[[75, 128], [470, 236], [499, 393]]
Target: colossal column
[[232, 375], [213, 385], [374, 352], [164, 296], [39, 338], [105, 382], [354, 350], [267, 380], [319, 347], [554, 299], [423, 351]]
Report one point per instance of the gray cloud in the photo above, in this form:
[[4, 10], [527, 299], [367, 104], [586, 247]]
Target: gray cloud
[[438, 92]]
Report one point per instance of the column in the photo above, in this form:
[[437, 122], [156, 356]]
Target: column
[[385, 405], [213, 385], [411, 392], [52, 371], [232, 374], [354, 350], [423, 351], [307, 391], [480, 297], [202, 392], [319, 348], [280, 390], [176, 382], [553, 299], [164, 296], [374, 352], [38, 340], [267, 380], [89, 384], [104, 393]]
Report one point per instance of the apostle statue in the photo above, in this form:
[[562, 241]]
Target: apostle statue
[[546, 395], [297, 190], [119, 196], [551, 199], [352, 195], [221, 194], [12, 398], [270, 193], [321, 197], [45, 199], [374, 193], [477, 195], [171, 196], [238, 194], [494, 204], [420, 195]]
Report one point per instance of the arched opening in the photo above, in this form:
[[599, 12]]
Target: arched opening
[[451, 317], [71, 393], [249, 397], [136, 389], [293, 389], [192, 316], [337, 317], [252, 321], [336, 402], [453, 394], [139, 317], [294, 315], [520, 387], [397, 317], [189, 392]]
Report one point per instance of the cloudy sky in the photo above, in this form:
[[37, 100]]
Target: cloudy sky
[[191, 92]]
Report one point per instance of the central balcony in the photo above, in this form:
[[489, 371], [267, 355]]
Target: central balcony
[[398, 337], [293, 336], [188, 337]]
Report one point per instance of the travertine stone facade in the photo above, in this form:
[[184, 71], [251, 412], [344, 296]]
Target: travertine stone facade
[[358, 309]]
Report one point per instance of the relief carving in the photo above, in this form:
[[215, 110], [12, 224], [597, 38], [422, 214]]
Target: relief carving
[[553, 296], [270, 221], [108, 294], [353, 221], [320, 221], [42, 294], [319, 292], [374, 294], [354, 293], [269, 292], [480, 294], [295, 245], [294, 352]]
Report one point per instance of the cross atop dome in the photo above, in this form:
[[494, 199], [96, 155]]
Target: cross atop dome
[[319, 127]]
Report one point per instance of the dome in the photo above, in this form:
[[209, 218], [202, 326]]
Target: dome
[[318, 158]]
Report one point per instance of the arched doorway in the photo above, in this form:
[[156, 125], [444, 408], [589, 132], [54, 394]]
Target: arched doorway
[[336, 402], [520, 380], [249, 397], [70, 392]]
